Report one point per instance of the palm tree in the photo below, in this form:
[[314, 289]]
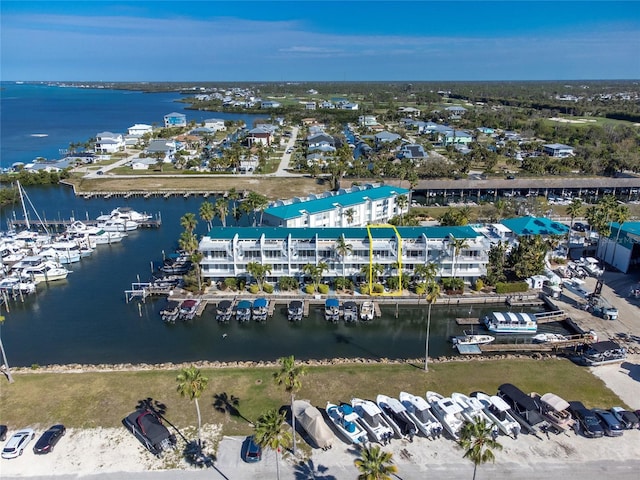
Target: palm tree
[[426, 272], [233, 195], [349, 213], [458, 244], [402, 201], [5, 363], [189, 222], [191, 384], [374, 464], [289, 376], [222, 210], [477, 441], [189, 243], [343, 249], [259, 272], [207, 213], [432, 292], [315, 272], [269, 433], [574, 209]]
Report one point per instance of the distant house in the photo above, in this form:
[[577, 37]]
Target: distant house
[[321, 142], [412, 152], [558, 150], [327, 104], [409, 111], [367, 120], [309, 105], [386, 137], [456, 137], [164, 148], [259, 135], [456, 110], [270, 104], [486, 130], [139, 129], [215, 124], [175, 119], [109, 142], [348, 106]]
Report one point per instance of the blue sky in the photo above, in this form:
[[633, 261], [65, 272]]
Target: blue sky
[[322, 41]]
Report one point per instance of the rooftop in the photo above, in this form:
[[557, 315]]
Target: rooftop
[[535, 226]]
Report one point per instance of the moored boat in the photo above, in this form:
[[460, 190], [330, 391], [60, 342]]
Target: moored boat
[[332, 310], [472, 339], [170, 312], [350, 311], [259, 309], [511, 322], [47, 271], [224, 310], [188, 309], [294, 311], [14, 285], [366, 311], [548, 338], [243, 311]]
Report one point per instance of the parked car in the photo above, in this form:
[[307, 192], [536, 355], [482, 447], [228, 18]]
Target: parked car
[[49, 439], [251, 451], [17, 443], [3, 433], [628, 419], [579, 227], [588, 422], [612, 427]]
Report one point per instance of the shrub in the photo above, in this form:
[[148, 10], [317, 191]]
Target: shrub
[[364, 289], [420, 289], [254, 288], [231, 283], [479, 285], [288, 283], [310, 289], [512, 287], [453, 284], [323, 289], [267, 287], [378, 288]]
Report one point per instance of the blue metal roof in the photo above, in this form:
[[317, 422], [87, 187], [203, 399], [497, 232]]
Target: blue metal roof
[[360, 233], [535, 226], [294, 210]]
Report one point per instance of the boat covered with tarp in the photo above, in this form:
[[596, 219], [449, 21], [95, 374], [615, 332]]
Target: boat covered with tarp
[[312, 422]]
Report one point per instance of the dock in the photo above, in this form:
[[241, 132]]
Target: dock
[[376, 309], [572, 341], [541, 317], [64, 224], [305, 308]]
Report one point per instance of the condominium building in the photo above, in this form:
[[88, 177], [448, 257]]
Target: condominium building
[[227, 251]]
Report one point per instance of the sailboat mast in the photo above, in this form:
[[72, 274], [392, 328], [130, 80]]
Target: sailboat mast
[[24, 205]]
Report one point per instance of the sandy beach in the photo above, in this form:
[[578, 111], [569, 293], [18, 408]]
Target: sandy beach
[[115, 451]]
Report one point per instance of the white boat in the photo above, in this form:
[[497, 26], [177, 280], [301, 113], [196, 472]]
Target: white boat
[[47, 271], [350, 312], [188, 309], [170, 312], [420, 411], [511, 322], [366, 311], [295, 311], [548, 338], [118, 225], [372, 420], [346, 421], [472, 339], [125, 213], [448, 412], [500, 413], [96, 235], [473, 411], [259, 309], [332, 310], [556, 411], [14, 285], [243, 311], [397, 416]]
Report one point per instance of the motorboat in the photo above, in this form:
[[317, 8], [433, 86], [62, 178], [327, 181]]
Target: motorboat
[[312, 422], [420, 412], [47, 271], [511, 322], [556, 411], [94, 234], [188, 309], [472, 339], [526, 410], [14, 285], [448, 412], [473, 411], [350, 312], [224, 310], [243, 311], [62, 252], [372, 420], [294, 311], [548, 338], [170, 312], [125, 213], [367, 311], [499, 412], [346, 421], [602, 353], [259, 309], [397, 416], [118, 225], [332, 310]]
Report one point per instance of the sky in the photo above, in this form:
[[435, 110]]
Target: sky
[[327, 40]]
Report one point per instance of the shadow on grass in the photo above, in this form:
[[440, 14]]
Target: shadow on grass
[[309, 471], [224, 403]]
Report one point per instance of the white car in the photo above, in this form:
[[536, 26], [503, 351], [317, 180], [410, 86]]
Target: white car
[[17, 443]]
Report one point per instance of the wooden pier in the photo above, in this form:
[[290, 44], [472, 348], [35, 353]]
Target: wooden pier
[[376, 309], [305, 307], [572, 341]]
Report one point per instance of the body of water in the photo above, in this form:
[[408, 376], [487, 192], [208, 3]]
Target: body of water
[[85, 319]]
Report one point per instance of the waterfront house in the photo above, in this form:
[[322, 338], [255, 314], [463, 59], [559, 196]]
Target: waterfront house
[[354, 207], [109, 142], [260, 135], [227, 251], [139, 129], [175, 119], [558, 150], [162, 148], [215, 124]]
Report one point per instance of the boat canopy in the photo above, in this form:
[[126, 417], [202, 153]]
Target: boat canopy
[[332, 302], [224, 305], [602, 347], [260, 303], [350, 305], [555, 402], [295, 304], [518, 397], [244, 304], [512, 317]]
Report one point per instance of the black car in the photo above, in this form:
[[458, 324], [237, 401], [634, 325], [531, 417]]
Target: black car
[[579, 227], [628, 419], [588, 422], [49, 439], [251, 451], [612, 427]]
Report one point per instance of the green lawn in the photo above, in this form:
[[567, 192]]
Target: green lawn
[[103, 399]]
